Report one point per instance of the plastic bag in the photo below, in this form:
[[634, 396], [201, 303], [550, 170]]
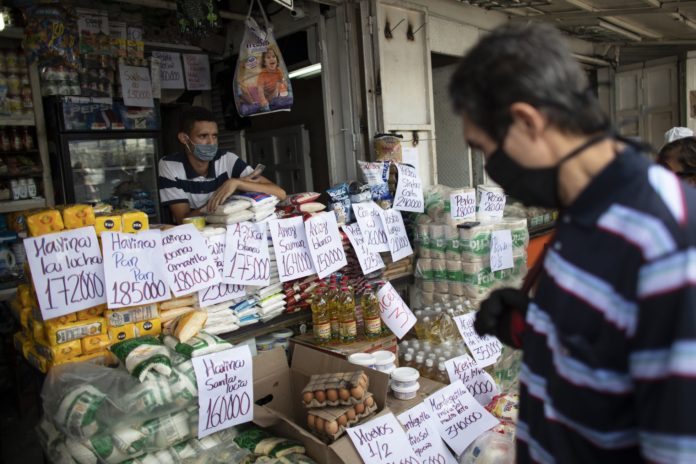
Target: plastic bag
[[261, 81], [50, 36]]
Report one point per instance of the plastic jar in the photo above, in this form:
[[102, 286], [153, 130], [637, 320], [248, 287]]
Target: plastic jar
[[384, 361], [404, 377], [405, 393], [265, 343], [362, 359], [282, 338]]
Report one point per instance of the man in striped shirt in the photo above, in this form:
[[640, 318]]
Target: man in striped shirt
[[201, 177], [609, 337]]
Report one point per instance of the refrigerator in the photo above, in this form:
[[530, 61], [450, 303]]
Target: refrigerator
[[104, 152]]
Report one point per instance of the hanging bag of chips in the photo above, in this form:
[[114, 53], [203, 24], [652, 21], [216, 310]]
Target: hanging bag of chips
[[261, 81]]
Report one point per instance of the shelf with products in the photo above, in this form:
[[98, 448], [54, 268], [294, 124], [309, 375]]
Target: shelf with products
[[23, 120], [34, 151], [8, 176], [114, 168], [263, 328], [10, 206]]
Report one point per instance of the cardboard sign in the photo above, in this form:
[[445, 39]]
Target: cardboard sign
[[68, 272], [136, 86], [394, 311], [171, 72], [492, 205], [134, 268], [247, 261], [219, 293], [291, 248], [501, 250], [225, 389], [409, 190], [369, 260], [197, 69], [190, 267], [399, 245], [459, 418], [486, 349], [422, 434], [370, 222], [382, 440], [463, 206], [325, 244], [477, 381]]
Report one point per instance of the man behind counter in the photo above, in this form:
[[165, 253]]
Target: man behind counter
[[202, 177]]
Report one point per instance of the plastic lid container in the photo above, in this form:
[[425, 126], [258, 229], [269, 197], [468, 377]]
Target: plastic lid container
[[405, 393], [404, 377], [265, 343], [282, 335], [362, 359], [384, 358]]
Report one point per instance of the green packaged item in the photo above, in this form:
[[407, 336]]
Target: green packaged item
[[143, 355], [201, 344], [77, 413]]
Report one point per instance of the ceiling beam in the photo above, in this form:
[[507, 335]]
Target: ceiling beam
[[169, 5], [608, 12]]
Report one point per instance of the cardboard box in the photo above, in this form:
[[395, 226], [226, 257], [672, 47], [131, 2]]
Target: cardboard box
[[277, 394], [388, 343]]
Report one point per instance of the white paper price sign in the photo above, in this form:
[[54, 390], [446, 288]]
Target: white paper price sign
[[486, 349], [459, 418], [225, 389], [247, 261], [422, 434], [171, 72], [501, 250], [136, 85], [409, 190], [190, 267], [291, 248], [492, 204], [67, 270], [394, 311], [463, 205], [134, 268], [325, 244], [399, 246], [382, 440], [219, 293], [477, 381], [197, 68], [369, 260], [371, 226]]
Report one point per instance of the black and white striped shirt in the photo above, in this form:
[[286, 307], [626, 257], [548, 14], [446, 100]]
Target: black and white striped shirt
[[609, 365], [180, 183]]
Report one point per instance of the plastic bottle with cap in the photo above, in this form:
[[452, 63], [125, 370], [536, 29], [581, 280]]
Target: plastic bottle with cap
[[441, 375], [418, 363], [429, 369], [408, 360], [347, 321], [370, 311]]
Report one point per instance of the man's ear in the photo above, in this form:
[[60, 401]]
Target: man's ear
[[529, 118], [183, 138]]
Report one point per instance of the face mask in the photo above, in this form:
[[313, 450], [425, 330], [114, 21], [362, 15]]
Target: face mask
[[203, 151], [531, 186]]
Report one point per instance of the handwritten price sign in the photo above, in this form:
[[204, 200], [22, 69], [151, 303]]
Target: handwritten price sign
[[409, 190], [134, 268], [369, 260], [477, 381], [225, 389], [136, 85], [492, 204], [219, 293], [291, 248], [190, 267], [463, 205], [382, 440], [459, 417], [247, 261], [371, 226], [197, 68], [171, 73], [486, 349], [394, 311], [501, 250], [67, 270], [423, 436], [325, 244], [399, 246]]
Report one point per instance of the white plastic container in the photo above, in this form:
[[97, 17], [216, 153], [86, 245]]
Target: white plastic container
[[405, 393], [384, 361], [404, 377], [362, 360], [265, 343], [282, 338]]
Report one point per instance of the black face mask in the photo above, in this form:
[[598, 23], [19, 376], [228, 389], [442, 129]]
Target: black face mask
[[532, 186]]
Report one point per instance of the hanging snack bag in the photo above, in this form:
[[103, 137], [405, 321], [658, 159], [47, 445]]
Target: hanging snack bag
[[376, 175]]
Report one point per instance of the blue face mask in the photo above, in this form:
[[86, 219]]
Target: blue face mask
[[203, 151]]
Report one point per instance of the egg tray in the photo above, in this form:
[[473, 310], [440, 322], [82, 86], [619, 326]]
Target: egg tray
[[332, 414], [342, 383]]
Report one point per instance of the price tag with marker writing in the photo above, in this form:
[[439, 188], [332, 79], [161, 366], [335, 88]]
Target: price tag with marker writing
[[382, 440]]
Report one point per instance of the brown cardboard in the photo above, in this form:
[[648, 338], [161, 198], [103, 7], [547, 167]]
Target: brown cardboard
[[284, 414], [388, 343]]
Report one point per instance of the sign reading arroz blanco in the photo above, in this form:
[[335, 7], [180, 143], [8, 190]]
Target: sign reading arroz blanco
[[370, 222], [190, 267], [291, 248], [382, 440], [134, 268], [486, 349], [422, 434], [394, 311], [225, 389], [67, 271], [247, 261], [501, 250], [459, 418], [325, 244], [409, 190], [219, 293], [171, 72], [136, 85], [477, 381], [463, 205], [369, 260], [399, 245]]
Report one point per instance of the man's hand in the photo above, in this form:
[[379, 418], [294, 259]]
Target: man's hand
[[502, 314], [223, 193]]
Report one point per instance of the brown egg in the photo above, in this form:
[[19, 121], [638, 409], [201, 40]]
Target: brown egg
[[365, 378], [369, 401], [307, 397], [310, 421], [331, 394], [357, 392], [344, 394], [331, 427], [320, 395], [362, 382], [319, 424], [359, 408], [350, 414], [343, 420]]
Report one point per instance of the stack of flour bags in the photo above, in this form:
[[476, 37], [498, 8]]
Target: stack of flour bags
[[270, 299], [247, 206]]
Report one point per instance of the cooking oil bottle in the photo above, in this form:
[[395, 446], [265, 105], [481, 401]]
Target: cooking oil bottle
[[370, 312], [347, 322], [441, 375], [321, 320], [408, 360], [429, 370], [334, 303]]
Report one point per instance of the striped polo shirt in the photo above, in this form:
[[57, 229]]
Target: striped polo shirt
[[609, 363], [180, 183]]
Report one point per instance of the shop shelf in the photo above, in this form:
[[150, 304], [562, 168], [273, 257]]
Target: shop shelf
[[113, 168], [12, 32], [263, 328], [18, 205], [35, 175], [20, 152], [17, 120]]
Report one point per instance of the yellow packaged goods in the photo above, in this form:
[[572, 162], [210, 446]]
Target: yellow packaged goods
[[189, 325], [134, 221], [152, 327], [60, 352], [20, 340], [37, 330], [125, 316], [25, 316], [89, 313], [102, 358], [95, 343], [44, 222], [107, 223], [175, 303], [72, 317], [76, 216], [125, 332], [37, 360], [24, 294], [57, 333]]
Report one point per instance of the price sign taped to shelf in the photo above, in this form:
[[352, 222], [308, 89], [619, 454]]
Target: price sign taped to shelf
[[492, 205], [409, 190], [463, 206], [394, 312], [325, 244], [136, 85], [399, 245], [501, 250], [134, 268], [369, 260], [477, 381], [423, 436], [225, 389], [371, 226], [190, 267], [291, 248], [197, 70], [486, 349], [382, 440], [171, 72], [247, 261], [68, 271], [219, 293]]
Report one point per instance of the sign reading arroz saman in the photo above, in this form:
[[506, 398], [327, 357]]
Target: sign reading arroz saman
[[291, 248], [422, 434], [399, 245], [134, 268], [219, 293], [371, 226], [382, 440], [247, 261], [225, 389], [486, 349], [325, 244], [394, 312], [409, 190], [190, 267], [136, 85], [67, 270], [171, 72], [369, 260]]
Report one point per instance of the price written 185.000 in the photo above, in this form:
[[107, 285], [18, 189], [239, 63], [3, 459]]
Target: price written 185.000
[[133, 293]]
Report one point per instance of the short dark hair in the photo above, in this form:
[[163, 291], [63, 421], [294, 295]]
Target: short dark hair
[[683, 150], [192, 115], [528, 63]]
